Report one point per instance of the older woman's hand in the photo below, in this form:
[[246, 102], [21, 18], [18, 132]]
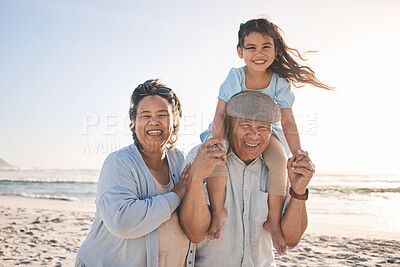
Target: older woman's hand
[[180, 187]]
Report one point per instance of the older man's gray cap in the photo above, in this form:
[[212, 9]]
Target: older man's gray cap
[[255, 106]]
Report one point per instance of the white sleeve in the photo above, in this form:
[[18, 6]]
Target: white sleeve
[[191, 156]]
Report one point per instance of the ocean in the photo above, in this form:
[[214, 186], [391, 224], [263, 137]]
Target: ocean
[[359, 202], [66, 185]]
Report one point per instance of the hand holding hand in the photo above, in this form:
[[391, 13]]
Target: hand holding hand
[[300, 171], [209, 155], [298, 155]]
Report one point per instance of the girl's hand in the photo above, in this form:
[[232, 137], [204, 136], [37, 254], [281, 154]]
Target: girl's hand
[[222, 145], [298, 155], [180, 187], [300, 172], [210, 154]]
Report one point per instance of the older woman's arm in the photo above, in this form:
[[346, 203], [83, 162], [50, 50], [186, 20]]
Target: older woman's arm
[[194, 213], [294, 221], [124, 214], [127, 217]]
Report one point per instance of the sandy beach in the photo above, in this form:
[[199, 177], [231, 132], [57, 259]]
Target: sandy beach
[[42, 232], [48, 232]]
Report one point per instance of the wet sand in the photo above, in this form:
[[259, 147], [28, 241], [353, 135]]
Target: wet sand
[[44, 232]]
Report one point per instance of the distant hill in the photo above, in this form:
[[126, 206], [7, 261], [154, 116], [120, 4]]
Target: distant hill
[[4, 164]]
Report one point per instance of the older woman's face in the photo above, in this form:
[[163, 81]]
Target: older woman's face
[[153, 123]]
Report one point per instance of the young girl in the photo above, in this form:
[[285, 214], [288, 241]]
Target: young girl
[[270, 69]]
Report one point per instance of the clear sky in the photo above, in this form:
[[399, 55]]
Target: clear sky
[[68, 68]]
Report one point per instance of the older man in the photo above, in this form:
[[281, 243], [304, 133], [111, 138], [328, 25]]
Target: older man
[[245, 242]]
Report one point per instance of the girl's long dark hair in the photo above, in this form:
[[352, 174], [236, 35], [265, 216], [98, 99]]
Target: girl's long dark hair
[[284, 64]]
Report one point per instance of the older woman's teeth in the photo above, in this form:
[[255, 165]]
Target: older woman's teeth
[[154, 132]]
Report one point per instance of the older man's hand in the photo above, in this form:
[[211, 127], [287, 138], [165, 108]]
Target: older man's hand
[[300, 172], [209, 155]]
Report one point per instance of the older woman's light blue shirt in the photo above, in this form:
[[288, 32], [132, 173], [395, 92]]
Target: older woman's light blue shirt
[[128, 212]]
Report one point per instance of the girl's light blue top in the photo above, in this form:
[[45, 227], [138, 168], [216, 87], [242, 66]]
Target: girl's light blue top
[[278, 90]]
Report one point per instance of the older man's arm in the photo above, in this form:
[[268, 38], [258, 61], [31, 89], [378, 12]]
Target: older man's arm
[[194, 213], [294, 221]]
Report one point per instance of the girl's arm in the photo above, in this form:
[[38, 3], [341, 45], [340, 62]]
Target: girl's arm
[[290, 130], [218, 127]]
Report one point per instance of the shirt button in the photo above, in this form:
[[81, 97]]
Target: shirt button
[[191, 251], [247, 242], [245, 217], [190, 262], [245, 191]]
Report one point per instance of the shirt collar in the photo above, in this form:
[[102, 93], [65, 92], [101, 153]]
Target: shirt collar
[[230, 153]]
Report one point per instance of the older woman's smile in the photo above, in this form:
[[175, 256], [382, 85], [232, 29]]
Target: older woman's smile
[[153, 123], [155, 132]]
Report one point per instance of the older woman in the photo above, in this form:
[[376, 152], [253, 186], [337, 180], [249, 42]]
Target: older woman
[[139, 190]]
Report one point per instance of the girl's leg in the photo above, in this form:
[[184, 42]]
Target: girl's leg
[[275, 159], [273, 224], [216, 184]]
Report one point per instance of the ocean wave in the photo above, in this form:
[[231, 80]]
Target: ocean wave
[[41, 181], [357, 174], [349, 190], [27, 169], [9, 169], [378, 190], [41, 196]]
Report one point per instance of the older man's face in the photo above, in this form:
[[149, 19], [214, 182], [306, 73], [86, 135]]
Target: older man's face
[[248, 139]]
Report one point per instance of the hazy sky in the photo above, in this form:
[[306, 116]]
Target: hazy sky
[[68, 68]]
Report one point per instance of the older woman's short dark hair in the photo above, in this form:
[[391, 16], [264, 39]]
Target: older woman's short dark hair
[[150, 87]]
